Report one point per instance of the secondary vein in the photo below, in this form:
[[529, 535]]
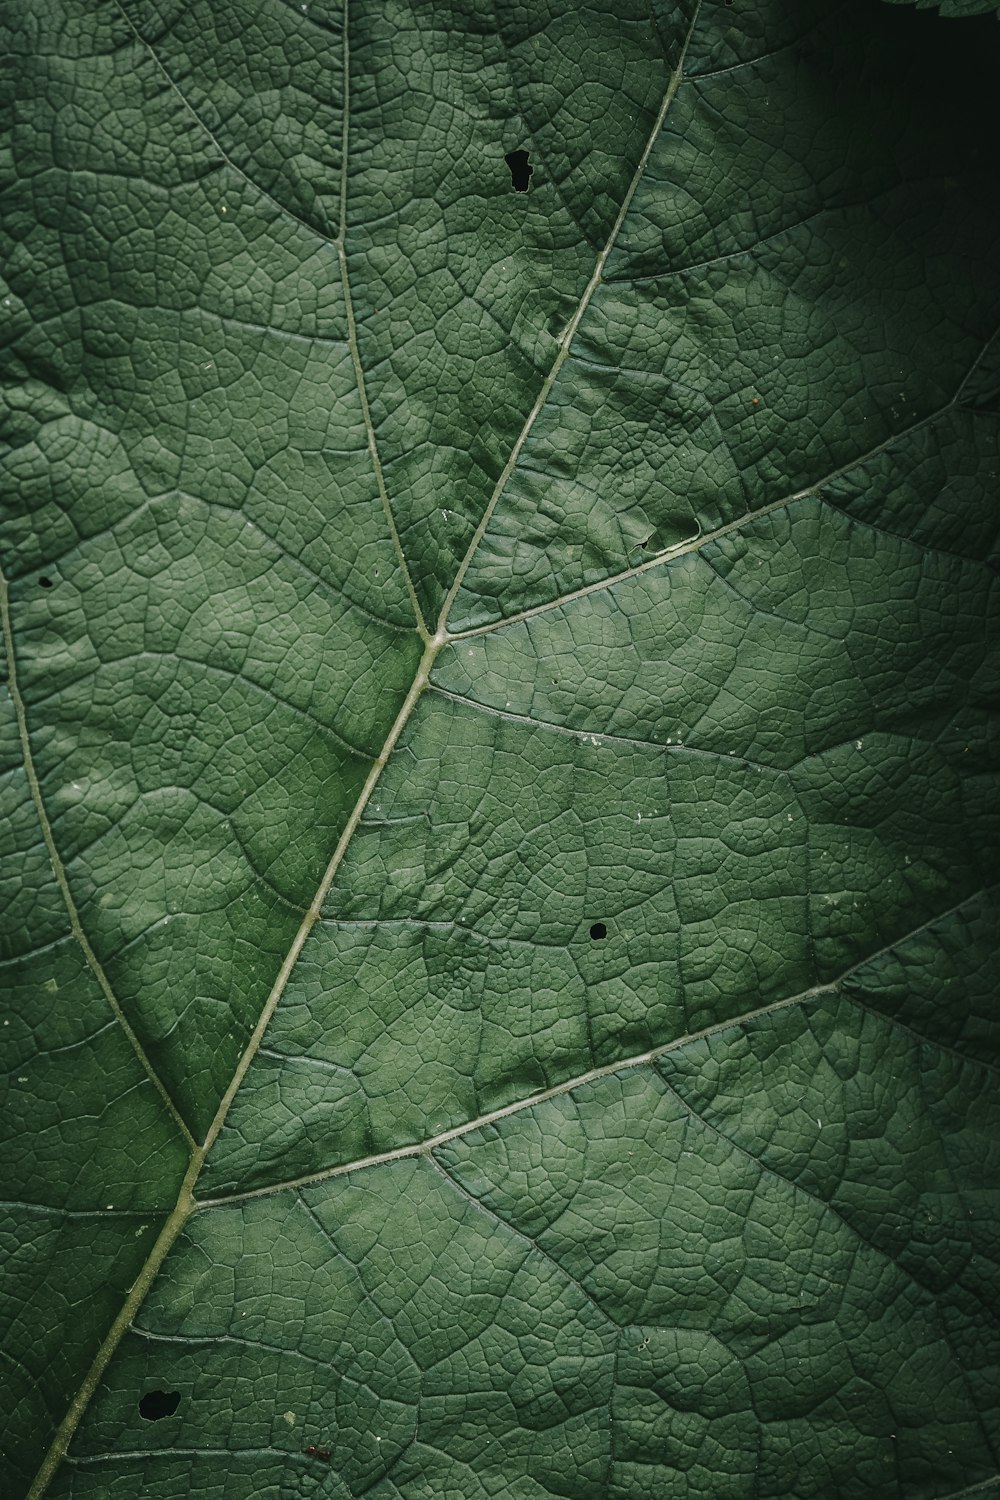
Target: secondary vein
[[59, 870], [352, 337], [704, 538], [570, 331], [829, 987]]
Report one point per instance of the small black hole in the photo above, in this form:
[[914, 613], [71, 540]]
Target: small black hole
[[520, 172], [45, 583], [598, 931], [155, 1405]]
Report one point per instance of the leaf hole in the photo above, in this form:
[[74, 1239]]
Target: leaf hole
[[598, 932], [155, 1405], [520, 172], [45, 583]]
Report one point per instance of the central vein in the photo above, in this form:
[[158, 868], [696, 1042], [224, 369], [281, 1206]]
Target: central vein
[[433, 645]]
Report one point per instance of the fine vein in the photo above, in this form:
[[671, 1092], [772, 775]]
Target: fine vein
[[702, 539], [592, 1075], [432, 647], [973, 1489], [59, 870], [186, 1204], [337, 241], [569, 332], [433, 644], [323, 889], [352, 339], [136, 1296], [730, 1023]]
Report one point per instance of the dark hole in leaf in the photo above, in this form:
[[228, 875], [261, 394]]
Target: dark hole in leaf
[[520, 172], [45, 583], [649, 545], [155, 1405], [598, 931]]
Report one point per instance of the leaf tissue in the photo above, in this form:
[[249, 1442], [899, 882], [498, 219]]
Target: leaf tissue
[[499, 555]]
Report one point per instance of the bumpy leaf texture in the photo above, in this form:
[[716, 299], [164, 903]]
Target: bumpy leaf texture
[[497, 758]]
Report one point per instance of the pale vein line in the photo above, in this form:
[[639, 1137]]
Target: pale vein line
[[145, 1455], [433, 645], [600, 737], [345, 123], [425, 1147], [359, 376], [59, 871], [973, 1489], [352, 341], [137, 1295], [763, 57], [984, 351], [185, 1203], [338, 243], [322, 891], [703, 539], [570, 331], [592, 1075]]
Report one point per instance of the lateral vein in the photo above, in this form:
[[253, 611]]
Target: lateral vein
[[316, 905], [376, 462], [352, 339], [59, 870], [424, 1147], [570, 331], [703, 538], [168, 1235]]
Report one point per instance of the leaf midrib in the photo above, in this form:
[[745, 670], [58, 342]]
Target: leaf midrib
[[186, 1204], [433, 645]]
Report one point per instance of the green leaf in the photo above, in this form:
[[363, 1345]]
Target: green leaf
[[499, 772], [954, 9]]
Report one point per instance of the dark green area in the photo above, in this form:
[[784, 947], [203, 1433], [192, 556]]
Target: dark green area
[[693, 828]]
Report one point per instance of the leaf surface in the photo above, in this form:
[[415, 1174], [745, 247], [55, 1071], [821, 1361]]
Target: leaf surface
[[501, 817]]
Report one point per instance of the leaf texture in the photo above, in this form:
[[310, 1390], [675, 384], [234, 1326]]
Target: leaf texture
[[498, 752], [954, 9]]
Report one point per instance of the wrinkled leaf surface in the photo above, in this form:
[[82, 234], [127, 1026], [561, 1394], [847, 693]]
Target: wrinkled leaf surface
[[499, 787]]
